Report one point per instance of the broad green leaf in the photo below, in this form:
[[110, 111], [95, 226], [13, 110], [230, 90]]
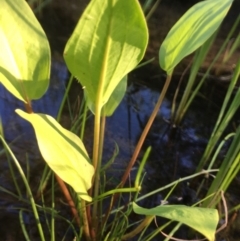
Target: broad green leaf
[[63, 151], [191, 31], [24, 51], [114, 99], [108, 42], [203, 220]]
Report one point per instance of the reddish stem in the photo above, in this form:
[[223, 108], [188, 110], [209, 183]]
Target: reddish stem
[[68, 198]]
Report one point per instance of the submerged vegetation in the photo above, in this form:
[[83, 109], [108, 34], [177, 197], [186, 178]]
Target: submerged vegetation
[[108, 42]]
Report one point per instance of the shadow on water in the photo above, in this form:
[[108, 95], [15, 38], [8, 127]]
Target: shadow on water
[[175, 151], [20, 135], [171, 158]]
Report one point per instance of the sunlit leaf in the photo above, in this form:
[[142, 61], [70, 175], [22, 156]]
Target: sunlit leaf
[[109, 41], [24, 51], [191, 31], [203, 220], [63, 151], [114, 100]]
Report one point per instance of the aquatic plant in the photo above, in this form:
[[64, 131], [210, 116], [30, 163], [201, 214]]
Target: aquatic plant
[[108, 42]]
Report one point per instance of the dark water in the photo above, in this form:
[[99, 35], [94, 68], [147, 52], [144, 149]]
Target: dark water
[[175, 152], [13, 125], [20, 136]]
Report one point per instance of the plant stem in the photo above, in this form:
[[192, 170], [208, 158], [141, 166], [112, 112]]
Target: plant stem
[[83, 124], [98, 169], [64, 98], [147, 220], [203, 172], [22, 223], [226, 113], [142, 138], [97, 123], [34, 207], [68, 198], [28, 107], [146, 130], [118, 190], [137, 183], [52, 212], [153, 9], [85, 220], [206, 172]]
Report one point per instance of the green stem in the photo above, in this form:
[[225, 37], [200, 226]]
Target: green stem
[[174, 183], [98, 170], [14, 177], [97, 122], [22, 224], [199, 57], [153, 9], [119, 190], [46, 174], [227, 112], [35, 212], [64, 98], [83, 124], [52, 212], [170, 235], [196, 90], [140, 169], [157, 231], [165, 187], [139, 228]]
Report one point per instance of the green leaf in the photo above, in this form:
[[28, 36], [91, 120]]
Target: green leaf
[[191, 31], [63, 151], [108, 42], [114, 100], [203, 220], [24, 51]]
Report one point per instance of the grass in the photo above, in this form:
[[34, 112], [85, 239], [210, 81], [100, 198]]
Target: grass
[[106, 214]]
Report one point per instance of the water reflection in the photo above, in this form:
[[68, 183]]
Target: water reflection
[[14, 126], [173, 155], [175, 152]]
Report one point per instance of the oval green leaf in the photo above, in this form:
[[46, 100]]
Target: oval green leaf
[[114, 100], [24, 51], [203, 220], [191, 31], [109, 40], [63, 151]]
